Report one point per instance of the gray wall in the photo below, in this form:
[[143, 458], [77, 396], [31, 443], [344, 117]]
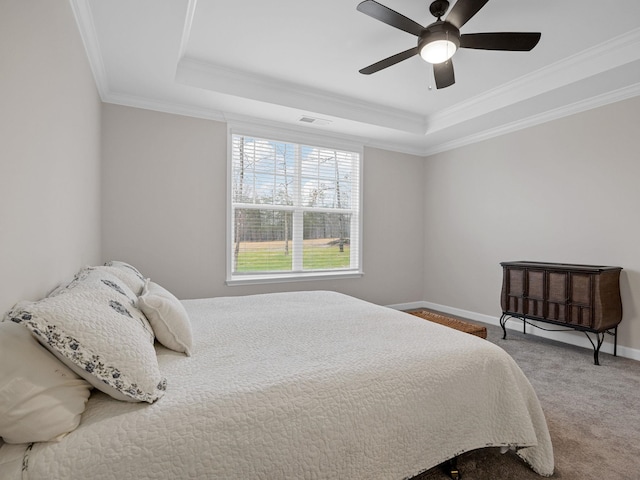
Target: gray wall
[[565, 191], [164, 210], [81, 184], [49, 150]]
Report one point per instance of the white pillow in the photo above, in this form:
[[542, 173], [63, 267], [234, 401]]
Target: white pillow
[[40, 398], [168, 317], [96, 329]]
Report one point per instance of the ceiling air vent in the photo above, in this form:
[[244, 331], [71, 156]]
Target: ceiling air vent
[[315, 121]]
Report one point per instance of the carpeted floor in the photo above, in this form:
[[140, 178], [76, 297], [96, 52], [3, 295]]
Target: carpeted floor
[[593, 413]]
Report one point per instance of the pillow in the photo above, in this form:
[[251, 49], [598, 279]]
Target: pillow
[[96, 329], [127, 273], [167, 316], [40, 398], [97, 277]]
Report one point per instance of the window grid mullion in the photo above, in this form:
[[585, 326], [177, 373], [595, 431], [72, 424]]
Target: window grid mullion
[[298, 217]]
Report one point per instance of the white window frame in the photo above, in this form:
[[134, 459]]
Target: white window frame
[[300, 138]]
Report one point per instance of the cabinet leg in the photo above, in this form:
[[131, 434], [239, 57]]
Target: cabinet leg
[[451, 468], [503, 322], [596, 346]]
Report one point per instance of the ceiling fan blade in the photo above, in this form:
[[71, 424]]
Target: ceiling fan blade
[[511, 41], [390, 17], [443, 73], [387, 62], [463, 10]]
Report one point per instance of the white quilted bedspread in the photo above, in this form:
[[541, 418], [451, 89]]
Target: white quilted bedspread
[[306, 385]]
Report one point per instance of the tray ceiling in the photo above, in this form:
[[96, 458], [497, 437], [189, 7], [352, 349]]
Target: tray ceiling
[[273, 63]]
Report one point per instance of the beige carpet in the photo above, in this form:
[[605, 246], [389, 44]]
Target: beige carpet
[[593, 413]]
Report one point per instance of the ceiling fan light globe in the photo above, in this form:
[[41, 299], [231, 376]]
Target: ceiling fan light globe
[[438, 42], [438, 51]]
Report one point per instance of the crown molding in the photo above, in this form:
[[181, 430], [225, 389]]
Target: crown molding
[[605, 56], [244, 84], [400, 147], [348, 141], [294, 133], [555, 114], [186, 29], [232, 120], [84, 19], [163, 106]]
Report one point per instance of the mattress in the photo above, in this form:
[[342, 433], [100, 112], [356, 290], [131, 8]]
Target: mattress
[[303, 385]]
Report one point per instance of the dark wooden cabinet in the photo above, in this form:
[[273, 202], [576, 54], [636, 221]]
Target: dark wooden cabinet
[[580, 297]]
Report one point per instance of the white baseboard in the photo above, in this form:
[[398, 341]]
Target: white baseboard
[[573, 338]]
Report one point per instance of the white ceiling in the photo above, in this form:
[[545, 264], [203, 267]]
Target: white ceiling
[[272, 62]]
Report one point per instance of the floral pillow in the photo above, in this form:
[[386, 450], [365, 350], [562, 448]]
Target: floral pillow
[[95, 327], [127, 273]]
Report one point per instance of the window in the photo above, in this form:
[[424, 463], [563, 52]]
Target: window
[[294, 211]]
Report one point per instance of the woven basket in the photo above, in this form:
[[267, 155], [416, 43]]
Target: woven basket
[[477, 330]]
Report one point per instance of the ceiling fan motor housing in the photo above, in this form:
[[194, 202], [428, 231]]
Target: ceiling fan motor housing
[[439, 8]]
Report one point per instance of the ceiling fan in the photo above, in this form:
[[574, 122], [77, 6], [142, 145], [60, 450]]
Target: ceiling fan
[[439, 41]]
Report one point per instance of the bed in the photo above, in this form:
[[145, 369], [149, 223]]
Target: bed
[[302, 385]]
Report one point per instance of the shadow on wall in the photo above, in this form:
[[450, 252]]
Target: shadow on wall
[[628, 278]]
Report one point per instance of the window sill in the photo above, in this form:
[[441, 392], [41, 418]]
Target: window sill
[[291, 277]]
